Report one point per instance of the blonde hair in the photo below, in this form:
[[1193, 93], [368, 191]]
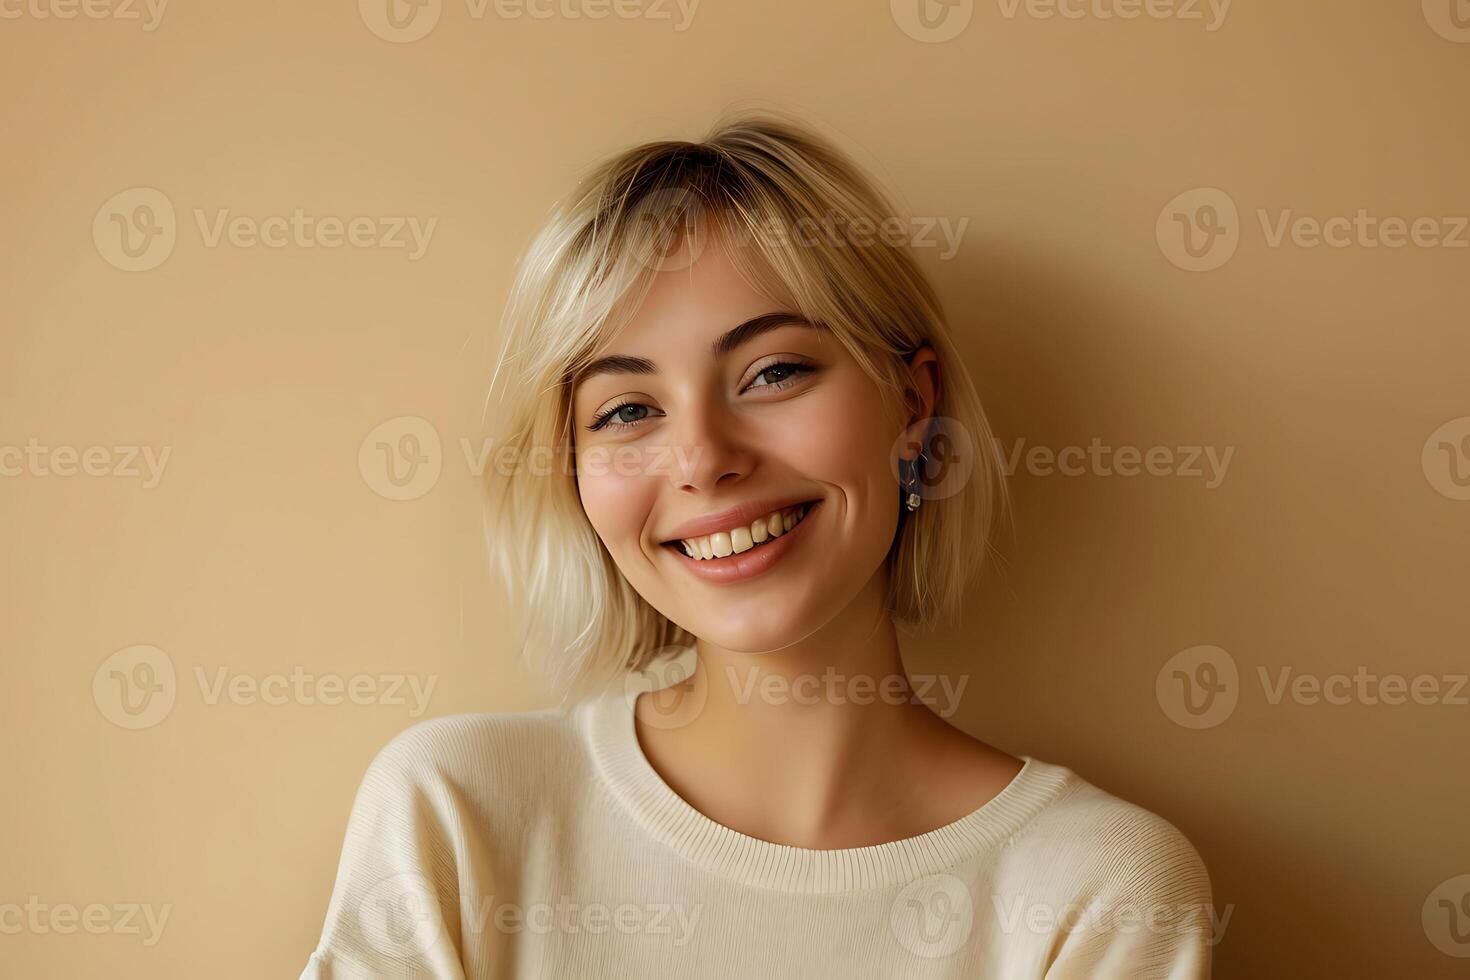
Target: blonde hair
[[755, 178]]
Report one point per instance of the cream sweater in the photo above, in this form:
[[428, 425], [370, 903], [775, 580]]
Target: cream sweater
[[544, 844]]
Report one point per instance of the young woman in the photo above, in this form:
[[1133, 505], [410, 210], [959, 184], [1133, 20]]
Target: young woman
[[727, 388]]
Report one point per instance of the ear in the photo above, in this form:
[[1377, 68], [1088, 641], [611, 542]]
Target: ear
[[923, 391]]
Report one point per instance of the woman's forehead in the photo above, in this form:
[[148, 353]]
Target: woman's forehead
[[710, 295]]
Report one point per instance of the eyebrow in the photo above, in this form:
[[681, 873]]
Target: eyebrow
[[727, 342]]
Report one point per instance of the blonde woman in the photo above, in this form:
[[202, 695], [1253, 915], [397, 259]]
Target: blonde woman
[[716, 498]]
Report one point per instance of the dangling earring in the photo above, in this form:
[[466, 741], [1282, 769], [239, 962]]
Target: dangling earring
[[913, 500]]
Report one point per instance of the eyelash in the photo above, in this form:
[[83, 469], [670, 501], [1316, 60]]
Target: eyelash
[[798, 371]]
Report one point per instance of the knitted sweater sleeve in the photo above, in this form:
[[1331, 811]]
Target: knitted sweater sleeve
[[1151, 915], [394, 910]]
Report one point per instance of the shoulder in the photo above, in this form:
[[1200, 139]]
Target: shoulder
[[1118, 890], [478, 757], [451, 739], [446, 801], [1109, 848]]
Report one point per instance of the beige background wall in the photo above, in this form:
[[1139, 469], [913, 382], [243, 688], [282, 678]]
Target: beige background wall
[[267, 555]]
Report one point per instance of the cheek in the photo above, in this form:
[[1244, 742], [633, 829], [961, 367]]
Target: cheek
[[618, 493], [844, 436]]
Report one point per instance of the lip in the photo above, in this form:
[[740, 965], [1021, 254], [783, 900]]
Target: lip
[[747, 564], [742, 516]]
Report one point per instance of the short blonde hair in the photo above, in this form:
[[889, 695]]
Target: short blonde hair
[[756, 178]]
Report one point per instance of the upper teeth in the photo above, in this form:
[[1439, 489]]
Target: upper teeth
[[738, 539]]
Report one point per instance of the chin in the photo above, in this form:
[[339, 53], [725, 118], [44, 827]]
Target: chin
[[764, 625]]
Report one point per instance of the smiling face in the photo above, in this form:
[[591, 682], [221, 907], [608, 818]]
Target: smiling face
[[717, 397]]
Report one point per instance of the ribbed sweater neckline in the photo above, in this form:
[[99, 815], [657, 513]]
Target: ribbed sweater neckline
[[608, 725]]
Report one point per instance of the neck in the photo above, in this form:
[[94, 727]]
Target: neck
[[813, 744]]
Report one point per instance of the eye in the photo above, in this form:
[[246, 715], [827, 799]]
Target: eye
[[786, 373], [606, 420], [783, 374]]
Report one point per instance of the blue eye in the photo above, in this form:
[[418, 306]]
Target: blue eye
[[606, 418], [787, 373]]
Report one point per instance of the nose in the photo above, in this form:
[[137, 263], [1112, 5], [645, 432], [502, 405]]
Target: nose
[[709, 447]]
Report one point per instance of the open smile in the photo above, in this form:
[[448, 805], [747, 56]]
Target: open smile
[[742, 552]]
